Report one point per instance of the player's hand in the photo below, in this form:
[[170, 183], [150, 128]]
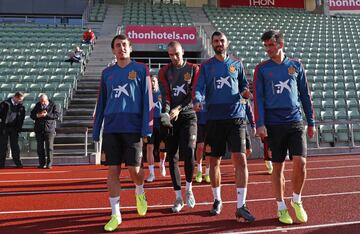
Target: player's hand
[[197, 106], [145, 139], [253, 132], [174, 113], [246, 94], [261, 132], [311, 131]]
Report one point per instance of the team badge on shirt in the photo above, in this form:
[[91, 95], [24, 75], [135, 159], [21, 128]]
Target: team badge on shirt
[[132, 75], [187, 76], [232, 68], [292, 71], [159, 98], [243, 101]]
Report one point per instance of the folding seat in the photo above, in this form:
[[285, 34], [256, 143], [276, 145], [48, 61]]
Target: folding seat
[[352, 103], [37, 88], [327, 115], [328, 103], [351, 94], [21, 88], [7, 87], [340, 103], [342, 135], [326, 134], [328, 94], [341, 115]]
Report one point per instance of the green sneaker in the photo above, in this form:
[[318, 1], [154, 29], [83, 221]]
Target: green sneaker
[[299, 211], [207, 178], [198, 177], [113, 224], [269, 166], [141, 204], [284, 216]]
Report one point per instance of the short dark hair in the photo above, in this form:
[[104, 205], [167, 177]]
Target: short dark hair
[[19, 94], [174, 43], [217, 33], [121, 37], [273, 34]]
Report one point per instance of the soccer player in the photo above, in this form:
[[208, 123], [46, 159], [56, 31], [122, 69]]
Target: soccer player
[[280, 89], [222, 80], [176, 83], [200, 152], [125, 105], [156, 145]]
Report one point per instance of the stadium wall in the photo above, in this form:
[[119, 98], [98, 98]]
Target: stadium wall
[[49, 7]]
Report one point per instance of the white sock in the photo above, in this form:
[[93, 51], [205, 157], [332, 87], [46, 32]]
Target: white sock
[[178, 194], [188, 186], [139, 189], [281, 205], [296, 197], [199, 167], [151, 169], [162, 162], [115, 206], [207, 170], [217, 193], [241, 196]]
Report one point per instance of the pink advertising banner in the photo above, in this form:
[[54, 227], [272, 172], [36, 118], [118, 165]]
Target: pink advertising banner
[[160, 35], [341, 5]]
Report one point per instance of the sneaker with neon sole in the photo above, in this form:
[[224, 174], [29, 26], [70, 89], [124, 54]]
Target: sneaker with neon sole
[[207, 178], [269, 166], [284, 216], [301, 214], [141, 204], [113, 223], [198, 177]]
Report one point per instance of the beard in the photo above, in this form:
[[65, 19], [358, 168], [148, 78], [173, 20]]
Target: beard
[[219, 50]]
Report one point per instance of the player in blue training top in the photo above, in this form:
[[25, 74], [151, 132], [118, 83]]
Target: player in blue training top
[[125, 106], [200, 139], [280, 88], [156, 145], [222, 80]]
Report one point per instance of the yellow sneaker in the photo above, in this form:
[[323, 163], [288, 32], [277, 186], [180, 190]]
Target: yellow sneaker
[[269, 166], [198, 177], [207, 178], [299, 211], [141, 204], [284, 216], [113, 224]]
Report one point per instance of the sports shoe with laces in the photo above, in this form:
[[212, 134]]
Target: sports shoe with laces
[[178, 205], [269, 166], [301, 214], [150, 178], [141, 204], [190, 199], [244, 213], [198, 177], [217, 207], [207, 178], [113, 223], [284, 216], [162, 170]]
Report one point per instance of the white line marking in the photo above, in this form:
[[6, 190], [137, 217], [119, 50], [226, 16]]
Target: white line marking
[[170, 205], [167, 187], [285, 229]]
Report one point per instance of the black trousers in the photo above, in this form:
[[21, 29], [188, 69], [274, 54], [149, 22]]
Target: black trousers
[[183, 137], [45, 147], [13, 135]]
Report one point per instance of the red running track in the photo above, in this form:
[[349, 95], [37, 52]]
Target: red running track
[[74, 199]]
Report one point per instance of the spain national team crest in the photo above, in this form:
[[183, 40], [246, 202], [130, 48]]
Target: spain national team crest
[[132, 75], [232, 68], [187, 76], [243, 101], [291, 71]]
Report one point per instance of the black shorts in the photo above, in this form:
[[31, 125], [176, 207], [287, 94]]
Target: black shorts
[[123, 147], [220, 133], [286, 137], [158, 138], [248, 141], [200, 133]]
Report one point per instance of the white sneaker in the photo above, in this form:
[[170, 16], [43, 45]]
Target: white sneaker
[[163, 170], [150, 178], [178, 205], [190, 199]]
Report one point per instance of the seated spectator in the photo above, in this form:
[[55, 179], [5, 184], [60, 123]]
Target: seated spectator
[[77, 56], [89, 37]]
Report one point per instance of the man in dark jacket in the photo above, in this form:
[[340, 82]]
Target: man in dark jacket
[[45, 114], [12, 114]]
